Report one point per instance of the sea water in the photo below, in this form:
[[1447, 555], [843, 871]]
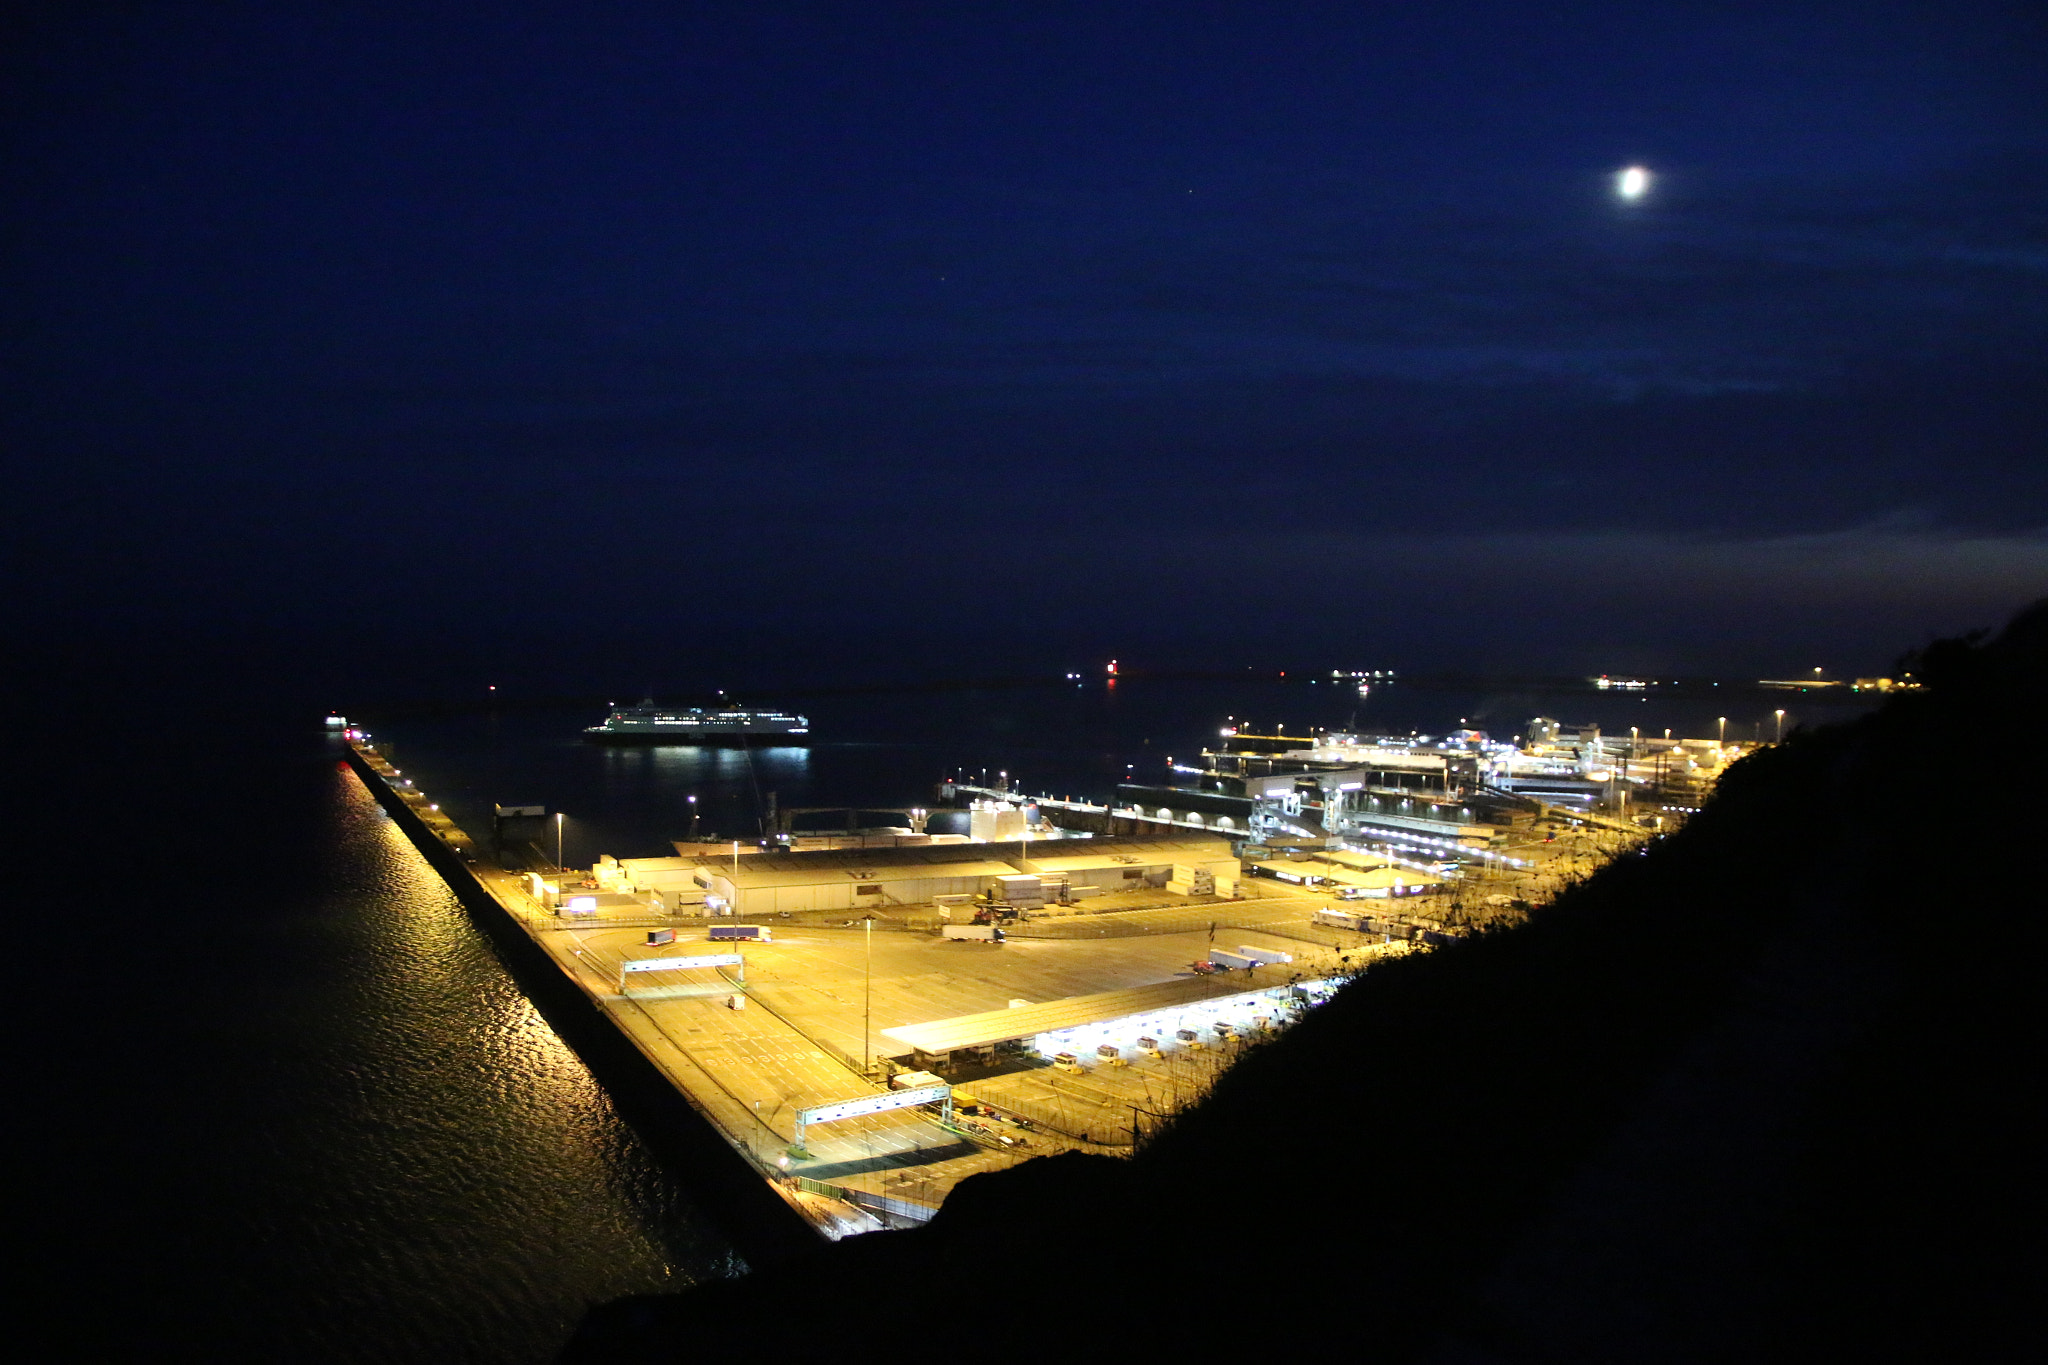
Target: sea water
[[893, 749], [274, 1097]]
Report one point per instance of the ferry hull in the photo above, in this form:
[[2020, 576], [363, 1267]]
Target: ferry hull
[[719, 739], [651, 724]]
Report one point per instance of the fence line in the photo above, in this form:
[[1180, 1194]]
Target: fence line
[[863, 1199]]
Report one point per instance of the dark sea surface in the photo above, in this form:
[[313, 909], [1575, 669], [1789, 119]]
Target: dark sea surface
[[894, 748], [281, 1100], [276, 1099]]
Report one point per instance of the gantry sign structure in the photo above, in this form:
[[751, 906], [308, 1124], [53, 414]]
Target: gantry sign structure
[[683, 964], [908, 1098]]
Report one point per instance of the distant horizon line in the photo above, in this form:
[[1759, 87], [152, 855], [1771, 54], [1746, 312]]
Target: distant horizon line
[[1680, 688]]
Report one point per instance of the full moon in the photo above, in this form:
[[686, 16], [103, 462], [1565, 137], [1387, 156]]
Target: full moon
[[1632, 183]]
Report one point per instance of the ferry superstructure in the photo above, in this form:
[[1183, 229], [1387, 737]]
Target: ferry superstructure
[[651, 724]]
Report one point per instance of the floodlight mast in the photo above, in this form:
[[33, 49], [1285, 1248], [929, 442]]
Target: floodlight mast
[[867, 996]]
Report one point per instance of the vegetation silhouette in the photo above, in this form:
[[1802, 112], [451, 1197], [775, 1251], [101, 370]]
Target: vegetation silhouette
[[1770, 1088]]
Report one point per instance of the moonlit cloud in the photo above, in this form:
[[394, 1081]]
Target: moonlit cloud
[[1856, 567], [1334, 325]]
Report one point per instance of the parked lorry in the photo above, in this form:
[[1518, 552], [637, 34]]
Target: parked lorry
[[750, 933], [979, 933]]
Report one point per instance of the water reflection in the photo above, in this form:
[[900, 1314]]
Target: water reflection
[[892, 749], [450, 1182]]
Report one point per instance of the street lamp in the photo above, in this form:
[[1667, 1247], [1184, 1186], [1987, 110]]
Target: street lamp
[[1721, 738], [1781, 726], [693, 819], [558, 841], [867, 994]]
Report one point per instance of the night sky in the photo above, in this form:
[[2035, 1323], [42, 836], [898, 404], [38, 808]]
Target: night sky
[[830, 339]]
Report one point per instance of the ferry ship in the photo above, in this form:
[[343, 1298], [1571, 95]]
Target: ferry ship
[[651, 724]]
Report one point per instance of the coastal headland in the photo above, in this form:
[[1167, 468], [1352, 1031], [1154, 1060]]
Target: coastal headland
[[1756, 1092]]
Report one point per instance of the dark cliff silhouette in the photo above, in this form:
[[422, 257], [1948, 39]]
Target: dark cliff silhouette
[[1770, 1089]]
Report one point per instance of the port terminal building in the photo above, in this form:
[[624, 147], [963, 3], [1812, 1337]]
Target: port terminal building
[[1023, 873]]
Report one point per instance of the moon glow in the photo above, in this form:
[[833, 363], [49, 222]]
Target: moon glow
[[1632, 183]]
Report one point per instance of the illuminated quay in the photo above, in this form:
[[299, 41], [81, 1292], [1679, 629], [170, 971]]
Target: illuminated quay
[[801, 1030], [860, 1023]]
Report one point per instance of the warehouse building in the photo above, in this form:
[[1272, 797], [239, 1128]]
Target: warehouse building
[[855, 880], [1189, 866]]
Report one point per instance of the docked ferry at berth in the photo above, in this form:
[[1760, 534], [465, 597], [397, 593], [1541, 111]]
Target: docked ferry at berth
[[651, 724]]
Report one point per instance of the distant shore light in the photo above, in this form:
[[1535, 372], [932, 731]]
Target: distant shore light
[[1632, 183]]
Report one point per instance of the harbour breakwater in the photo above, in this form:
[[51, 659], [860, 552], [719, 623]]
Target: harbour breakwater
[[761, 1224]]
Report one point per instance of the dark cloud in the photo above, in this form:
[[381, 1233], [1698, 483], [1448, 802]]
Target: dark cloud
[[708, 306]]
